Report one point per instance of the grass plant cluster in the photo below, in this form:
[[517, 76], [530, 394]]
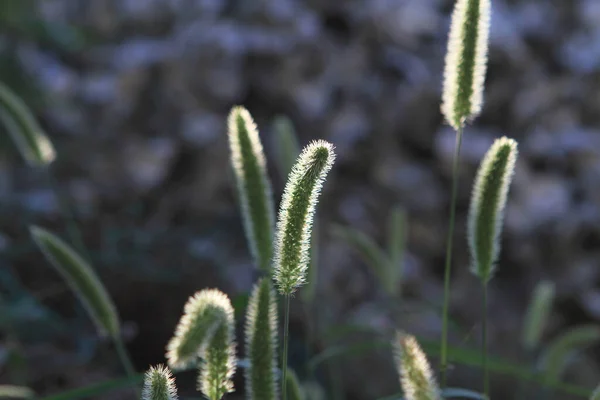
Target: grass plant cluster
[[281, 245]]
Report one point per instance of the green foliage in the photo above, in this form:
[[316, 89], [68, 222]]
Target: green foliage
[[487, 206], [261, 343], [30, 139], [159, 384], [466, 61], [253, 184], [387, 267], [537, 314], [293, 232], [81, 278], [294, 389], [557, 355]]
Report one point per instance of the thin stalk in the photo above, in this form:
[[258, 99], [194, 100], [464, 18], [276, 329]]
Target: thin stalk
[[71, 222], [284, 359], [125, 360], [448, 263], [484, 350]]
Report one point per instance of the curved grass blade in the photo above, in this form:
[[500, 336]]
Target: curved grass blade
[[556, 356], [261, 343], [28, 136], [82, 280], [371, 254], [253, 185]]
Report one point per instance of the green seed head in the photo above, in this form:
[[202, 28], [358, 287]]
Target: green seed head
[[487, 206], [159, 384], [203, 314], [253, 185], [30, 139], [82, 279], [218, 364], [292, 243], [261, 343], [537, 314], [466, 61], [416, 378]]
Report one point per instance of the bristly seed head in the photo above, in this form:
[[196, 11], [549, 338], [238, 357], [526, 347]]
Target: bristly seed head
[[466, 61], [416, 378], [159, 384], [293, 231], [261, 343], [253, 185], [203, 313], [488, 200]]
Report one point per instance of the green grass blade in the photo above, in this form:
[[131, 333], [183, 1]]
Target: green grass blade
[[451, 393], [370, 253], [28, 136], [556, 356], [81, 278], [397, 236], [286, 145]]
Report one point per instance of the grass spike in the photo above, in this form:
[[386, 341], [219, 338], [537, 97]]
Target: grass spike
[[488, 200], [416, 377], [159, 384], [300, 197], [203, 313], [81, 278], [261, 343], [29, 137], [466, 61], [219, 362], [253, 185], [537, 314]]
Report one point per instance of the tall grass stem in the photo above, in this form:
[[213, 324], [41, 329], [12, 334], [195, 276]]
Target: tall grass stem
[[448, 263], [484, 344], [284, 359]]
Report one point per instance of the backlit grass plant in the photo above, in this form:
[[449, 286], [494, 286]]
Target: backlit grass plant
[[204, 338]]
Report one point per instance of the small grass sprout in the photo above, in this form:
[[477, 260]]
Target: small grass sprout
[[466, 61], [300, 197], [416, 377], [253, 185], [261, 343], [488, 200], [28, 136], [159, 384]]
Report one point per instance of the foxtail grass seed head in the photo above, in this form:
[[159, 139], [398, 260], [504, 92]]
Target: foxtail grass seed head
[[466, 61], [253, 185], [219, 362], [82, 279], [537, 314], [261, 343], [203, 313], [416, 377], [30, 139], [293, 232], [488, 200], [159, 384]]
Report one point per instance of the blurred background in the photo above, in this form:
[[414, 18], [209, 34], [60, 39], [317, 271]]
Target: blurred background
[[135, 93]]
